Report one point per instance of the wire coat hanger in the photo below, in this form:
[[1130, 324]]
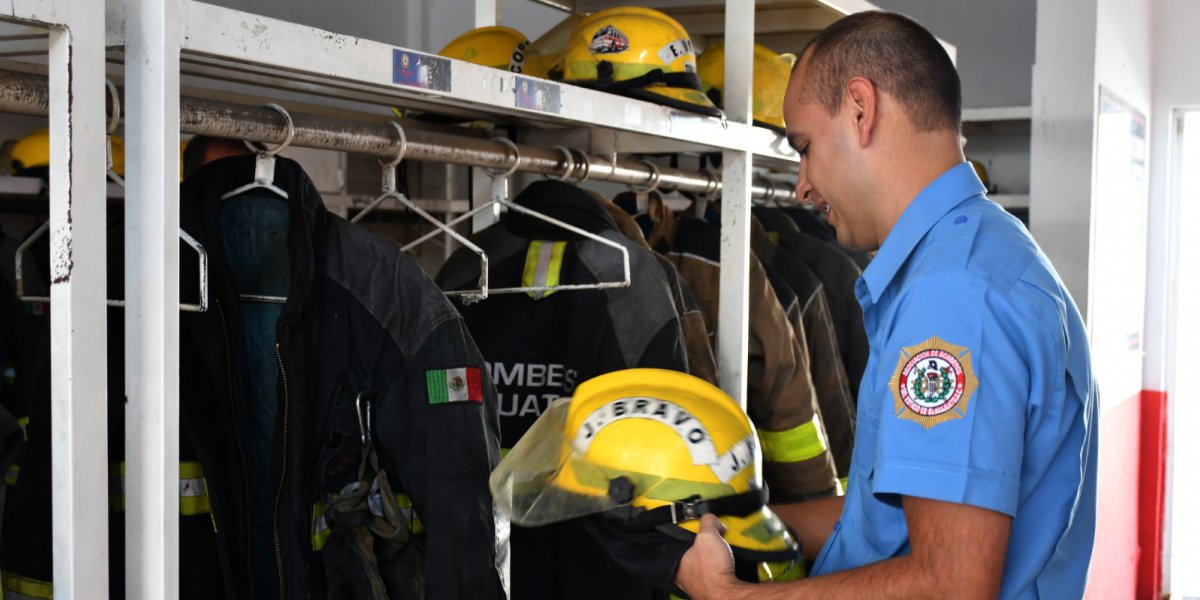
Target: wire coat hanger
[[509, 204], [642, 194], [389, 191], [264, 178], [264, 163], [113, 120]]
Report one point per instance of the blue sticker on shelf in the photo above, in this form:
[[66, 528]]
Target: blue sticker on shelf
[[536, 94], [418, 70]]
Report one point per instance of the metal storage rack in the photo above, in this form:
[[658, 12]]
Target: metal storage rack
[[162, 43]]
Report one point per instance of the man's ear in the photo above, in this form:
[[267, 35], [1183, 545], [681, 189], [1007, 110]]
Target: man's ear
[[861, 103]]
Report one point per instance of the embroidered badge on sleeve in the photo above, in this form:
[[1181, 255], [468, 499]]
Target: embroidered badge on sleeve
[[454, 385], [933, 382]]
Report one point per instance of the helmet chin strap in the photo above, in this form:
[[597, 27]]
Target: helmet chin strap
[[604, 74], [737, 505]]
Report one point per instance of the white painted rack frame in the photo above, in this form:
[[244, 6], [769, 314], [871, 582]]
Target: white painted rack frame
[[160, 40]]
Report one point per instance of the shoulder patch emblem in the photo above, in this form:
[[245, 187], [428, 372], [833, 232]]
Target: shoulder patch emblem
[[463, 384], [933, 382]]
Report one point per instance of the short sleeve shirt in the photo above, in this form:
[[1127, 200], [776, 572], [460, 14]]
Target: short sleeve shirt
[[978, 391]]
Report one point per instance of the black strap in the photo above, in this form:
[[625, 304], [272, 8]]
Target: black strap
[[679, 80], [737, 505]]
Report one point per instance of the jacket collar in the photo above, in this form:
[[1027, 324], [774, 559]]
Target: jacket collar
[[200, 209], [563, 201], [938, 198]]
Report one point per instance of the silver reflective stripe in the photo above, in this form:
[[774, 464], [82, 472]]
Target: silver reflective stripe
[[187, 487], [543, 264]]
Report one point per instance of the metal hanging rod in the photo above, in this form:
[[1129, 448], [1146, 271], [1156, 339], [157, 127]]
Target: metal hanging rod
[[24, 93]]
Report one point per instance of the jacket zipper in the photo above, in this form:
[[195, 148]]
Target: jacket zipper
[[237, 438], [283, 470]]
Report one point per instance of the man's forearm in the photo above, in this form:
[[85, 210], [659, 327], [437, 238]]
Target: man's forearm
[[811, 521], [893, 578]]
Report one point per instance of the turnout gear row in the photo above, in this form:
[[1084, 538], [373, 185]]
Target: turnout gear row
[[793, 287], [781, 397], [838, 271], [380, 417]]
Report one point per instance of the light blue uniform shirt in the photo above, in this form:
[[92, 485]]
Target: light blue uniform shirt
[[979, 390]]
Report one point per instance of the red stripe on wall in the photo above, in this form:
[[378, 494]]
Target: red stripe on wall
[[1152, 483], [1113, 573]]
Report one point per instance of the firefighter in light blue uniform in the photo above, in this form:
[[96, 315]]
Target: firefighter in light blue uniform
[[978, 391]]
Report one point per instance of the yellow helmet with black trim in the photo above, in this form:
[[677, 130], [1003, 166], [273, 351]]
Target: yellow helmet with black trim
[[33, 152], [497, 47], [638, 52], [118, 155], [771, 73], [30, 152], [653, 449]]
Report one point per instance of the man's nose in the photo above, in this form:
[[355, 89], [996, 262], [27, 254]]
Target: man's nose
[[803, 187]]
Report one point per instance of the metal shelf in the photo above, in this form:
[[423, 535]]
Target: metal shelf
[[229, 45]]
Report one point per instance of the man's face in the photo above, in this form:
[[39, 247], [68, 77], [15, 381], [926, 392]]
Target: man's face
[[828, 178]]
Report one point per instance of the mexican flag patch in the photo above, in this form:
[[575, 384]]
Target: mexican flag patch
[[454, 385]]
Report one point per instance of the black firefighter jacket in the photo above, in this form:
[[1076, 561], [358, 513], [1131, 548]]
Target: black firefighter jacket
[[361, 320]]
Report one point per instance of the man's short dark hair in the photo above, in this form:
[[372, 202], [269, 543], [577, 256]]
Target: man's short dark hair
[[195, 154], [898, 55]]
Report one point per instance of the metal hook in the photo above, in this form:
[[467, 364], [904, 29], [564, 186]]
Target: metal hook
[[715, 192], [770, 200], [516, 159], [113, 120], [287, 140], [569, 158], [585, 163], [364, 427], [655, 178], [400, 152], [115, 117]]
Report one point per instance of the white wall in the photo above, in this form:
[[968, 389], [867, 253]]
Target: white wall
[[1176, 84], [418, 24], [1061, 135], [995, 42]]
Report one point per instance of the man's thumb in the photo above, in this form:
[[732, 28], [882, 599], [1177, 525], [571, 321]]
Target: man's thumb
[[711, 524]]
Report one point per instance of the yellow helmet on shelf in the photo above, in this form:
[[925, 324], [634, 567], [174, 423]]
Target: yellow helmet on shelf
[[771, 73], [33, 152], [30, 152], [497, 47], [652, 448], [118, 155], [638, 52]]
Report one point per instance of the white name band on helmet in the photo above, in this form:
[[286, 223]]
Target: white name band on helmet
[[671, 52], [699, 443]]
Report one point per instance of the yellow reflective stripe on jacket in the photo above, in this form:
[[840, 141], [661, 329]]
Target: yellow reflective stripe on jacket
[[320, 523], [845, 483], [193, 490], [11, 475], [406, 507], [320, 526], [17, 587], [24, 423], [799, 443], [543, 266]]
